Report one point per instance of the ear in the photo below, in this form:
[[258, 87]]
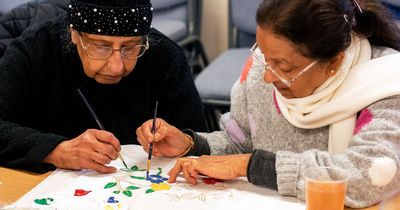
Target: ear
[[73, 36], [333, 64]]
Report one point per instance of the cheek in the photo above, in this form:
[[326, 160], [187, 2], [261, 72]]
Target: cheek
[[91, 66], [129, 66]]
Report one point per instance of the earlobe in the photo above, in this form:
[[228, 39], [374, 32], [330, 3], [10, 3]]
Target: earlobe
[[334, 64]]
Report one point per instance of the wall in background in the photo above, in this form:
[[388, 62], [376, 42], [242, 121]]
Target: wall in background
[[214, 31]]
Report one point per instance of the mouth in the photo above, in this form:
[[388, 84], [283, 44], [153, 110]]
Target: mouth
[[110, 77]]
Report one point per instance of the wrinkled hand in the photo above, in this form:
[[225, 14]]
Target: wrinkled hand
[[220, 167], [168, 140], [93, 149]]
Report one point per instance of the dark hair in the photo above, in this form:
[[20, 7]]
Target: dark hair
[[322, 28]]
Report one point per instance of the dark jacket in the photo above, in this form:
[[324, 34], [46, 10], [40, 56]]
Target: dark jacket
[[39, 105], [15, 21]]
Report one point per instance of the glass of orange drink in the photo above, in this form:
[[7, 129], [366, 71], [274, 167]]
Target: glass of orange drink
[[325, 187]]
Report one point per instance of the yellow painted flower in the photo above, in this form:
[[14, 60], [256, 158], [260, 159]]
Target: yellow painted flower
[[161, 186]]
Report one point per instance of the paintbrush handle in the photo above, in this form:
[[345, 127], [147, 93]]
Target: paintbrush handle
[[97, 120]]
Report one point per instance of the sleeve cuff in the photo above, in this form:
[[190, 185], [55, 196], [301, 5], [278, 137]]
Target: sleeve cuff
[[40, 151], [201, 146], [261, 169]]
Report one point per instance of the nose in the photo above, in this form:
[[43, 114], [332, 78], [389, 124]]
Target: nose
[[115, 63], [269, 77]]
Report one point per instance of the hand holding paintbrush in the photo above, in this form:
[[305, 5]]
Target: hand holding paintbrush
[[98, 121]]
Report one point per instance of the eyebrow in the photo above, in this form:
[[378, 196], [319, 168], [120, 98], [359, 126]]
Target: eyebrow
[[279, 59], [136, 41]]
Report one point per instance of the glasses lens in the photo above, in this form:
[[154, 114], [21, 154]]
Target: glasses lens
[[259, 56], [99, 52], [133, 52]]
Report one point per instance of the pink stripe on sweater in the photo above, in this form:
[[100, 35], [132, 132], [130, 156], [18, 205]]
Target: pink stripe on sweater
[[235, 132], [364, 118], [246, 69], [276, 102]]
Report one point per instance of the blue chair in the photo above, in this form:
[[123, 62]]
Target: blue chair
[[18, 15], [214, 83], [181, 20], [171, 18], [394, 6], [7, 5]]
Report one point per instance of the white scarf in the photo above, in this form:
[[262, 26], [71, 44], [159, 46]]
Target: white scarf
[[359, 82]]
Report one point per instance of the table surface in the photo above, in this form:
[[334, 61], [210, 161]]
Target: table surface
[[15, 183]]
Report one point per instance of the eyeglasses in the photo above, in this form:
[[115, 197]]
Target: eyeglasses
[[283, 77], [104, 52]]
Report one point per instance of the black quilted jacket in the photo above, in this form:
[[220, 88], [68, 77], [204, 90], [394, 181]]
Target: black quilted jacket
[[17, 20]]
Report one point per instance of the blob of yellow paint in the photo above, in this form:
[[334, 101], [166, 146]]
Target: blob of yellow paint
[[109, 207], [161, 186]]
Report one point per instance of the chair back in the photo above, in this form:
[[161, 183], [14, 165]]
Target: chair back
[[392, 2], [170, 9], [178, 19], [7, 5], [242, 22], [394, 7]]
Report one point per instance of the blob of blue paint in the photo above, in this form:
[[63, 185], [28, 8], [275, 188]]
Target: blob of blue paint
[[112, 200], [157, 179]]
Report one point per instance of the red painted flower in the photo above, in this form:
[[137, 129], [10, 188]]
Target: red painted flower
[[80, 192], [211, 180]]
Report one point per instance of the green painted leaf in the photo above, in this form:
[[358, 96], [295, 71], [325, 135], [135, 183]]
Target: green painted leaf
[[132, 188], [110, 185], [134, 168], [126, 169], [42, 201], [127, 193], [149, 191], [116, 192], [138, 177]]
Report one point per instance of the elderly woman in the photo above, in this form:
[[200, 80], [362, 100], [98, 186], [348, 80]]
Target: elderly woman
[[322, 90], [122, 66]]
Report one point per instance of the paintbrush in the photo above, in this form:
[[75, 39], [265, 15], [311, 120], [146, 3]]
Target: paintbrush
[[153, 131], [98, 121]]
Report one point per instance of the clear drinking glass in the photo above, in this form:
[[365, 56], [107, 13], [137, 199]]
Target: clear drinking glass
[[325, 188]]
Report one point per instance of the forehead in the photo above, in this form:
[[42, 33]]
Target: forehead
[[112, 39], [274, 44]]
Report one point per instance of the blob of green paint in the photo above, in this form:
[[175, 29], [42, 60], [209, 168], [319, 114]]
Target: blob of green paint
[[132, 169], [138, 177], [132, 188], [159, 171], [127, 193], [110, 185], [44, 201], [149, 191]]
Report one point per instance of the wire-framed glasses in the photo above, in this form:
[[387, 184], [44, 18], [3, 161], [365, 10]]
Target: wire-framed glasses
[[104, 52], [283, 77]]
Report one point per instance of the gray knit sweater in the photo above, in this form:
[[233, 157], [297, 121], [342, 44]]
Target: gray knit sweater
[[281, 151]]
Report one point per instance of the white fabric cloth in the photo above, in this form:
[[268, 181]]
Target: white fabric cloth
[[359, 82]]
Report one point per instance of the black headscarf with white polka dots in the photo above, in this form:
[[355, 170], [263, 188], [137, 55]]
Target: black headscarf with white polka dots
[[111, 17]]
